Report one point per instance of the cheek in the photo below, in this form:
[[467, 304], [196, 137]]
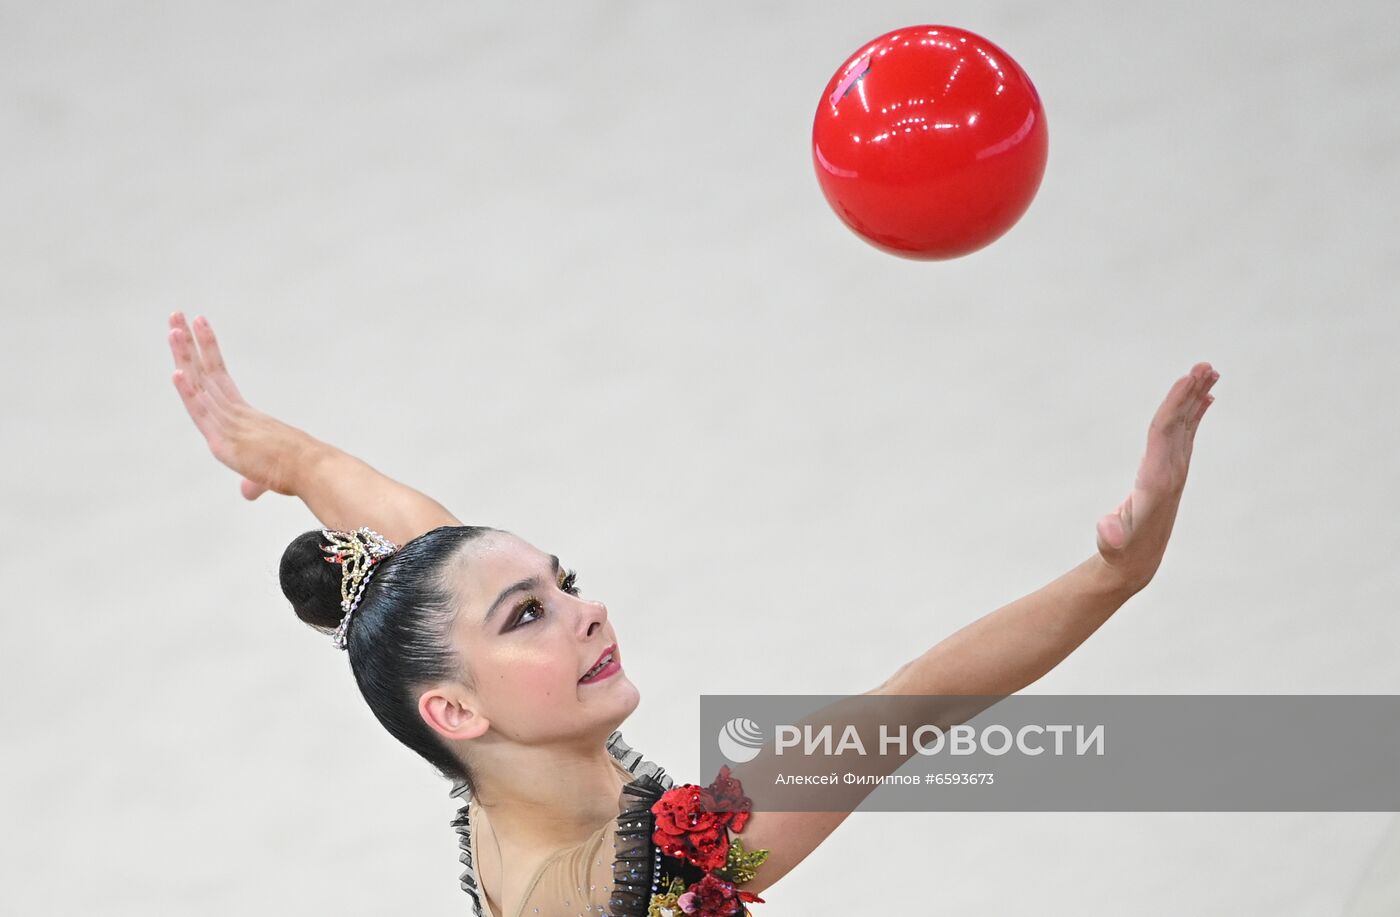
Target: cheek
[[523, 682]]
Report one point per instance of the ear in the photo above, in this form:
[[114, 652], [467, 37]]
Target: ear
[[452, 712]]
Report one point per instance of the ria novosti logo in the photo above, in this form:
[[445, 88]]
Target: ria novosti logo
[[740, 740]]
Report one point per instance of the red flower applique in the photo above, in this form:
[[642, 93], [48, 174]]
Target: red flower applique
[[687, 830], [693, 822], [730, 800], [715, 897]]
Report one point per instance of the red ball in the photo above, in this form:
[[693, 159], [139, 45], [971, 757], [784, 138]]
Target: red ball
[[929, 142]]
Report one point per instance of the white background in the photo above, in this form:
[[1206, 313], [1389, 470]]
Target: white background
[[568, 270]]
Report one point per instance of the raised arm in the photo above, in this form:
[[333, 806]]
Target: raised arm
[[1008, 649], [342, 491], [1005, 651]]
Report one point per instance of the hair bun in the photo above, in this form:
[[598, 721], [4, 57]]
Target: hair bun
[[309, 583]]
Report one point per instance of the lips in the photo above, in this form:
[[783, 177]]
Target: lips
[[606, 650]]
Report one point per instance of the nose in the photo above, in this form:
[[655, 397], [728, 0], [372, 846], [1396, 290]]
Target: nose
[[592, 618]]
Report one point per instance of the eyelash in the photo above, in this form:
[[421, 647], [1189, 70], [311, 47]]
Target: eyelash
[[532, 604]]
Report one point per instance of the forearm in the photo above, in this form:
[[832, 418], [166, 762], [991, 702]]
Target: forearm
[[1008, 649], [345, 493]]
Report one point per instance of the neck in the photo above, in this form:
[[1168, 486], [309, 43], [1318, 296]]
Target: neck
[[547, 796]]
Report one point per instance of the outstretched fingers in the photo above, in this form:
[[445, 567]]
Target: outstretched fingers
[[1206, 402], [1133, 538], [1183, 398], [205, 407], [1187, 401], [187, 376], [214, 389], [215, 370], [1203, 378], [199, 400], [244, 439], [194, 405], [182, 349]]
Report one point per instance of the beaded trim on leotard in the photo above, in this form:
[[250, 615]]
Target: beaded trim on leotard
[[639, 869], [636, 869]]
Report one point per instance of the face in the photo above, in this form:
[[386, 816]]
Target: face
[[526, 637]]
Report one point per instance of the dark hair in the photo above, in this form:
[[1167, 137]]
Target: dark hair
[[398, 635]]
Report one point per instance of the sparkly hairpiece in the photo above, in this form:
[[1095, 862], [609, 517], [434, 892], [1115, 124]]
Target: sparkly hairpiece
[[357, 552]]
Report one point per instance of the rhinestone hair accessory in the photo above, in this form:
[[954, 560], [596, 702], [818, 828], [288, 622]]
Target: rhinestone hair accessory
[[357, 552]]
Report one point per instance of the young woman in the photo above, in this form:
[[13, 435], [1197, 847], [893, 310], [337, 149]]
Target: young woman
[[475, 649]]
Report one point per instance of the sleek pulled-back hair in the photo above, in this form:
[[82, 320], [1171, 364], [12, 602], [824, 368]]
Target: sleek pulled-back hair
[[398, 637]]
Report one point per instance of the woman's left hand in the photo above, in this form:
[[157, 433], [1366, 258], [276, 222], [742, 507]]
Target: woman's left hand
[[1133, 538]]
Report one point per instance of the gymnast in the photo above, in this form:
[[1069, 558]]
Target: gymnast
[[478, 651]]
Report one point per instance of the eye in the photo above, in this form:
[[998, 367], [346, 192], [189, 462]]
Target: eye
[[531, 605], [568, 581]]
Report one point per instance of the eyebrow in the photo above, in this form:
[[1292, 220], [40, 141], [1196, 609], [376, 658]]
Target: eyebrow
[[522, 586]]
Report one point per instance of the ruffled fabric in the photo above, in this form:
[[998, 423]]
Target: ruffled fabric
[[639, 869], [462, 825], [637, 866]]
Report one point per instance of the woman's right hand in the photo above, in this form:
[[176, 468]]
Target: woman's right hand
[[267, 453]]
